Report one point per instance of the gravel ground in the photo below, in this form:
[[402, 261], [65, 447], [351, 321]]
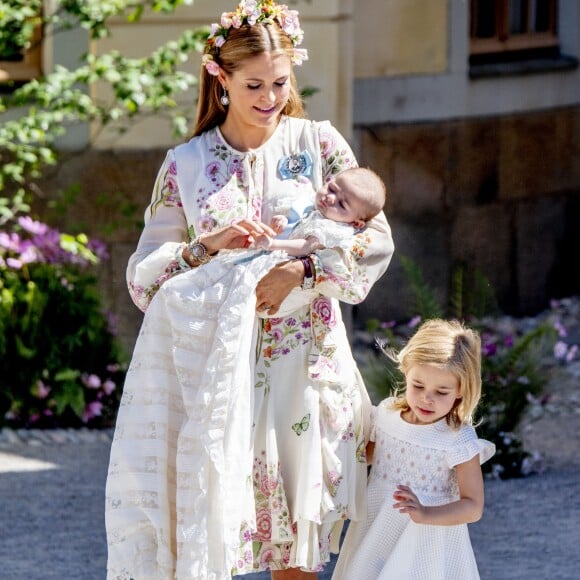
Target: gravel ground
[[52, 501], [52, 524]]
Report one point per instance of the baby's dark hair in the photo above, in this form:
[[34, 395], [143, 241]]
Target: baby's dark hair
[[369, 181]]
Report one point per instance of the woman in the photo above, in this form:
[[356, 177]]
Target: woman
[[233, 460]]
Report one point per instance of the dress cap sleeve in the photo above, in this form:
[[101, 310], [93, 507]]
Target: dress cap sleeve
[[468, 446]]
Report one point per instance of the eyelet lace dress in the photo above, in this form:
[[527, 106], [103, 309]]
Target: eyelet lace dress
[[389, 544]]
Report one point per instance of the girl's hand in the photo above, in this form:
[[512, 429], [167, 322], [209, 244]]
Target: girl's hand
[[277, 284], [239, 234], [408, 503]]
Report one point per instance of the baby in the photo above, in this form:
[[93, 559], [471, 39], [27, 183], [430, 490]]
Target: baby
[[341, 207]]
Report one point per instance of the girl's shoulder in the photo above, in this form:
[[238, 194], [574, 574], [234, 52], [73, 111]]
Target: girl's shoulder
[[466, 444]]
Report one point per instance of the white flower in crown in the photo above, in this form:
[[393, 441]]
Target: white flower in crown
[[253, 12]]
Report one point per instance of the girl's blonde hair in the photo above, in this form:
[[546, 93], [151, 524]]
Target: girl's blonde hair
[[450, 345], [243, 43]]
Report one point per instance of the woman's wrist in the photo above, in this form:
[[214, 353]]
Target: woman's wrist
[[309, 276]]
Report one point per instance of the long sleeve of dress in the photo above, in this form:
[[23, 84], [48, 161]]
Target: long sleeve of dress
[[154, 260]]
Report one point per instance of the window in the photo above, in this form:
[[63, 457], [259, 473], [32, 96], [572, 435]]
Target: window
[[513, 29], [19, 65]]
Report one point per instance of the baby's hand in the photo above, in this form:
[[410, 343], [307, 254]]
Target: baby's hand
[[278, 223], [408, 503], [263, 242]]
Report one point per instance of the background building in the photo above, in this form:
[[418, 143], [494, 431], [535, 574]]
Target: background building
[[470, 110]]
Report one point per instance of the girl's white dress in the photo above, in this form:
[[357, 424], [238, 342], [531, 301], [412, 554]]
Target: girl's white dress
[[389, 544], [239, 443]]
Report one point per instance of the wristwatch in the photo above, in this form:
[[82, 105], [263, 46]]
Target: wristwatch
[[198, 253]]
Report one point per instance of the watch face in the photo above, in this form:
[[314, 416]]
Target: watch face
[[197, 250]]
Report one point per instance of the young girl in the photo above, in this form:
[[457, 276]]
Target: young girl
[[425, 484]]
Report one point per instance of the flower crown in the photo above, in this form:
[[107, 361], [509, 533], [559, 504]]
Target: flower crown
[[253, 12]]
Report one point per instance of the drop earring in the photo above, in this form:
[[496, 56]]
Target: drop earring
[[225, 100]]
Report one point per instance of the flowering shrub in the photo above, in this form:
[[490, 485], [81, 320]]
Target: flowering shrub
[[514, 370], [517, 356], [59, 361]]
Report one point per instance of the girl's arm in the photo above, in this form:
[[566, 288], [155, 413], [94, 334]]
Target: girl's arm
[[466, 510]]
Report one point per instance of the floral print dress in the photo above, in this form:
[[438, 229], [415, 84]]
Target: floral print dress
[[230, 455]]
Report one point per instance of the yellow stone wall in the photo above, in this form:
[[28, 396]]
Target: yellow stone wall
[[328, 38], [400, 37]]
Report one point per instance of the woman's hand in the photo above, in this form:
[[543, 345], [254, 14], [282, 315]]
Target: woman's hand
[[273, 288], [237, 235]]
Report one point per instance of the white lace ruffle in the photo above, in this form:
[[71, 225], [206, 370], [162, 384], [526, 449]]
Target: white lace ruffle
[[181, 460]]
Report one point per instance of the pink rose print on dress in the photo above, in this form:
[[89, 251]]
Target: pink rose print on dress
[[323, 309], [222, 201], [327, 144], [206, 224], [263, 526], [212, 170]]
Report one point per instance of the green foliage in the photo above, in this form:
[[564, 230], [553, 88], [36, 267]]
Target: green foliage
[[47, 107], [511, 369], [59, 362]]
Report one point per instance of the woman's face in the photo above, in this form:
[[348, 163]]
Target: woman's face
[[258, 90]]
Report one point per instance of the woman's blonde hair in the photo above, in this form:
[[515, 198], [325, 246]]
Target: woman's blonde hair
[[243, 43], [450, 345]]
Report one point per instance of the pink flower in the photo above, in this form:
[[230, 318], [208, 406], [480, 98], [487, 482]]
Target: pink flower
[[92, 410], [323, 308], [212, 169], [226, 20], [299, 56], [212, 68], [263, 525], [109, 386], [219, 41], [91, 381], [42, 390], [267, 556]]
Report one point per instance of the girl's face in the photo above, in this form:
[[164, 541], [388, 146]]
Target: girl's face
[[258, 91], [431, 393]]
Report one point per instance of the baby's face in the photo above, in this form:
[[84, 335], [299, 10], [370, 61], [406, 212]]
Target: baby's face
[[339, 201]]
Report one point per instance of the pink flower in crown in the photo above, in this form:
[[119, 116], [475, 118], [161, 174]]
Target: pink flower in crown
[[290, 24], [214, 29], [299, 56], [210, 65], [220, 41], [250, 9], [236, 20], [323, 308], [226, 20]]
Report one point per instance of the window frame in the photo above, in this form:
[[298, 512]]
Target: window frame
[[505, 43], [29, 67]]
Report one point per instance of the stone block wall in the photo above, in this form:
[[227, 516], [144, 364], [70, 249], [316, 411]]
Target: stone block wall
[[500, 194]]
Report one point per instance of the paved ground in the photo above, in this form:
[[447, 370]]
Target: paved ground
[[52, 498], [52, 527]]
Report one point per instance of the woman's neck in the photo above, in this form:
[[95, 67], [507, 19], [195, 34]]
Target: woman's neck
[[246, 138]]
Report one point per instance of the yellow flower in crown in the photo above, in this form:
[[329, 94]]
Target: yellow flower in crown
[[254, 12]]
